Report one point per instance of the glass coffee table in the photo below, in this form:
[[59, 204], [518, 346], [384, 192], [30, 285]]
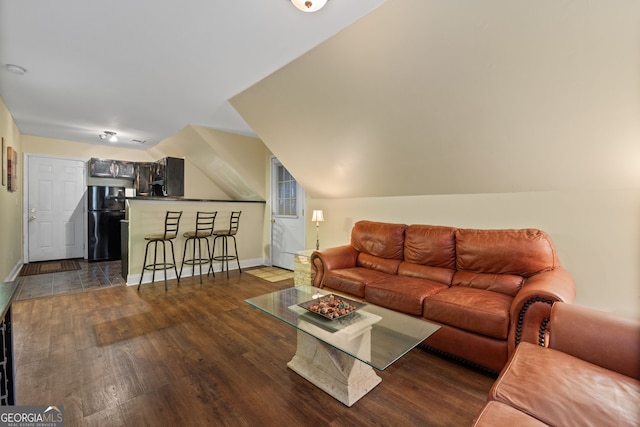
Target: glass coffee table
[[337, 355]]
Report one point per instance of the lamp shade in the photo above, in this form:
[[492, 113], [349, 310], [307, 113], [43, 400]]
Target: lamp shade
[[309, 5], [317, 216]]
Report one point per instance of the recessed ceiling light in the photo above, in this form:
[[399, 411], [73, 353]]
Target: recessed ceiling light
[[15, 69]]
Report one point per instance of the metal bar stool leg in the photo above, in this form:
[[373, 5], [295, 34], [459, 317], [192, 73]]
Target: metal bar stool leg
[[184, 253], [184, 256], [164, 264], [144, 263], [213, 253], [199, 256], [235, 247], [155, 260], [210, 257], [175, 266], [225, 252]]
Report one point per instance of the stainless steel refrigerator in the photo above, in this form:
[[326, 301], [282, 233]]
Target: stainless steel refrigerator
[[106, 210]]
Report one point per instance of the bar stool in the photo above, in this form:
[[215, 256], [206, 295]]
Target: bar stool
[[234, 222], [203, 230], [171, 223]]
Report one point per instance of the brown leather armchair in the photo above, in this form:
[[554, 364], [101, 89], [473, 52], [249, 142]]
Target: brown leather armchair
[[588, 376]]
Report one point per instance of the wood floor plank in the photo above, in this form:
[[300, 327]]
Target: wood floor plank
[[36, 336], [197, 354]]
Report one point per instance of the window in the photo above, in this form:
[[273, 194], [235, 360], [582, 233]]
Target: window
[[286, 193]]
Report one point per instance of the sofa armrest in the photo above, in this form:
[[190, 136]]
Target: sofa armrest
[[531, 307], [331, 259], [598, 337]]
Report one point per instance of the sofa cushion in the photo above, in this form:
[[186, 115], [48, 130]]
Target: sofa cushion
[[508, 284], [523, 252], [430, 245], [498, 414], [380, 239], [389, 266], [439, 274], [405, 294], [474, 310], [352, 280], [562, 390]]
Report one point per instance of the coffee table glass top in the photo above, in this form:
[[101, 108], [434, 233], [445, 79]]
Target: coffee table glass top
[[375, 335]]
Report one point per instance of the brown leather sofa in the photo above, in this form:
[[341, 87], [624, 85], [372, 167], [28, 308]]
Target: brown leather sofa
[[588, 376], [488, 289]]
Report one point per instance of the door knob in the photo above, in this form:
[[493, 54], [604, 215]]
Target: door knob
[[273, 220], [32, 217]]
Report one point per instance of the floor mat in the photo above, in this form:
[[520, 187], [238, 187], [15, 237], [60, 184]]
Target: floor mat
[[49, 267], [271, 274]]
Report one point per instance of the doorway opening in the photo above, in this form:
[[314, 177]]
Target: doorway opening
[[287, 216], [54, 208]]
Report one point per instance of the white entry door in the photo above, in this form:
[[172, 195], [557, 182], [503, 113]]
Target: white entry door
[[55, 208], [287, 216]]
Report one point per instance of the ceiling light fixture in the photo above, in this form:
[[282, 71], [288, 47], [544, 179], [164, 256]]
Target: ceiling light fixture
[[109, 136], [308, 5], [15, 69]]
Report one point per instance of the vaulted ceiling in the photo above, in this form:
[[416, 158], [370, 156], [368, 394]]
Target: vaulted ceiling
[[362, 99], [447, 97], [147, 68]]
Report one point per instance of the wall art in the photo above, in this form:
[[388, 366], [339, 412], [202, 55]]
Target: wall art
[[12, 169]]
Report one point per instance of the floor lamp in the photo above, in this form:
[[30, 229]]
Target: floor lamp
[[317, 217]]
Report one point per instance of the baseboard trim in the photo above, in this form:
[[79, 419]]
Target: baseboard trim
[[133, 279], [14, 272]]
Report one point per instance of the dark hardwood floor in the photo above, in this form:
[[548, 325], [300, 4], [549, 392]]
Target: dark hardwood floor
[[198, 355]]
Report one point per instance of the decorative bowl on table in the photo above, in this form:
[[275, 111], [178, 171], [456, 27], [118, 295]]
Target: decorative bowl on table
[[332, 307]]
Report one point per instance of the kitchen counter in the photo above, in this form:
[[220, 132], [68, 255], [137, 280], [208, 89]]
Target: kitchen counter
[[146, 215], [183, 199]]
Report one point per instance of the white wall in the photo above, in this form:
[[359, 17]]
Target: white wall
[[596, 232]]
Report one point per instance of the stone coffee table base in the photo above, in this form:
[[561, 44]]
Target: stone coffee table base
[[344, 377], [339, 355]]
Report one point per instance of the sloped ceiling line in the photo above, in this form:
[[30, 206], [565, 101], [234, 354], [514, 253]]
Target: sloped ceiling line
[[424, 97], [208, 150]]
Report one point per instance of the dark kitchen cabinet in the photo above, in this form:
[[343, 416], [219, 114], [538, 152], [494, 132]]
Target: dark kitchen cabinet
[[102, 168], [107, 168], [168, 179], [160, 179], [144, 176], [126, 170]]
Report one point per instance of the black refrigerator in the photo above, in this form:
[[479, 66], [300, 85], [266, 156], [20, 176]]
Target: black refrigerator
[[105, 206]]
